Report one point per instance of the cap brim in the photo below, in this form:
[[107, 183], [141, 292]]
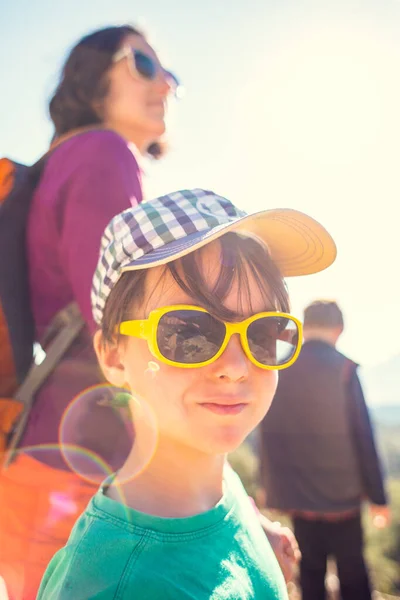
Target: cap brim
[[298, 244]]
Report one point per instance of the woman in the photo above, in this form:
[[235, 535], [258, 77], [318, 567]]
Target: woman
[[113, 92]]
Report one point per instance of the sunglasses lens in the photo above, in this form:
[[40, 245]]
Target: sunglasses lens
[[189, 336], [273, 340], [145, 65]]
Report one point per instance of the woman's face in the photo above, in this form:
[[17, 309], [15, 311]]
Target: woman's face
[[135, 106], [181, 398]]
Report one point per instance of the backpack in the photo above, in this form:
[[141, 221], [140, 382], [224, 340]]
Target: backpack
[[20, 375]]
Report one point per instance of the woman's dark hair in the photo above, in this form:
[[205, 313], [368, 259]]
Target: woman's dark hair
[[240, 256], [83, 83]]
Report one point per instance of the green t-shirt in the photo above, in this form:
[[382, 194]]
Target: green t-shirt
[[117, 552]]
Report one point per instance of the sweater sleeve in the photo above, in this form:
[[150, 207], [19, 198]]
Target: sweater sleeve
[[371, 470], [104, 181]]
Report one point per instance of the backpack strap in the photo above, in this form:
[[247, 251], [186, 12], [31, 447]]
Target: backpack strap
[[36, 169], [58, 141], [61, 333]]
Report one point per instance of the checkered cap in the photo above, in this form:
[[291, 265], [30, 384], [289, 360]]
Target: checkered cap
[[157, 232], [161, 230]]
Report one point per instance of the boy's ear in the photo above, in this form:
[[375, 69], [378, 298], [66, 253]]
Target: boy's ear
[[109, 357]]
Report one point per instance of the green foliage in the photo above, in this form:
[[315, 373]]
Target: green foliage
[[388, 437], [383, 546], [245, 463]]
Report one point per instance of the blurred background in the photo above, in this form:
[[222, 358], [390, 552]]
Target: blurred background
[[288, 104]]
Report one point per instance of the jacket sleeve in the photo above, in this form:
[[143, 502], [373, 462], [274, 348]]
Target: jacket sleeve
[[104, 182], [371, 470]]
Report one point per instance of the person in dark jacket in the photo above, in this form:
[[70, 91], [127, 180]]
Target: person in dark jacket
[[319, 460]]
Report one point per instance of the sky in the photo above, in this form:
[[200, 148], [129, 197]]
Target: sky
[[287, 104]]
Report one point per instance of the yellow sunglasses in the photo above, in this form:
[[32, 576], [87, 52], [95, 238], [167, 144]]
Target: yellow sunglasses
[[189, 336]]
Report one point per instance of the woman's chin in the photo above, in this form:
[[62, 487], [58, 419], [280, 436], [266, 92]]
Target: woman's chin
[[156, 126]]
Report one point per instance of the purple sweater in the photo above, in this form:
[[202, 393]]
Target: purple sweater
[[86, 182]]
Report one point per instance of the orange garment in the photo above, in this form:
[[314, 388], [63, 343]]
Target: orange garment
[[38, 508]]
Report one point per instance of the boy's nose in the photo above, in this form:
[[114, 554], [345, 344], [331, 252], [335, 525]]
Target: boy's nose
[[233, 364]]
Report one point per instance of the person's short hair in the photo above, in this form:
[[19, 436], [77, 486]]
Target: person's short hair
[[323, 313]]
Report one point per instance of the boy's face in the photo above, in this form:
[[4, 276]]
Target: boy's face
[[187, 402]]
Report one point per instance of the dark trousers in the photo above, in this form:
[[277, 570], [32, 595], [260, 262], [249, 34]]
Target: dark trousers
[[343, 540]]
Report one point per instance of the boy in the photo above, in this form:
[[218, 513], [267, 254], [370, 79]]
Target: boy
[[193, 316]]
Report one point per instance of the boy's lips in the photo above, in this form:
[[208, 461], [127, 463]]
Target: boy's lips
[[224, 409], [225, 406]]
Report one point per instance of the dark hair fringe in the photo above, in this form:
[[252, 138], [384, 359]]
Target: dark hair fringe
[[241, 256]]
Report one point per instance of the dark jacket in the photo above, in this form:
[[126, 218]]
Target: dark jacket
[[317, 445]]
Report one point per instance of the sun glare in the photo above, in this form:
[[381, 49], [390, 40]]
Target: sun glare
[[322, 135]]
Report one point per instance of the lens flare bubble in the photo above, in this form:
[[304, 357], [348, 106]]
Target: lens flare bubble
[[101, 428], [152, 368], [52, 455], [65, 500]]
